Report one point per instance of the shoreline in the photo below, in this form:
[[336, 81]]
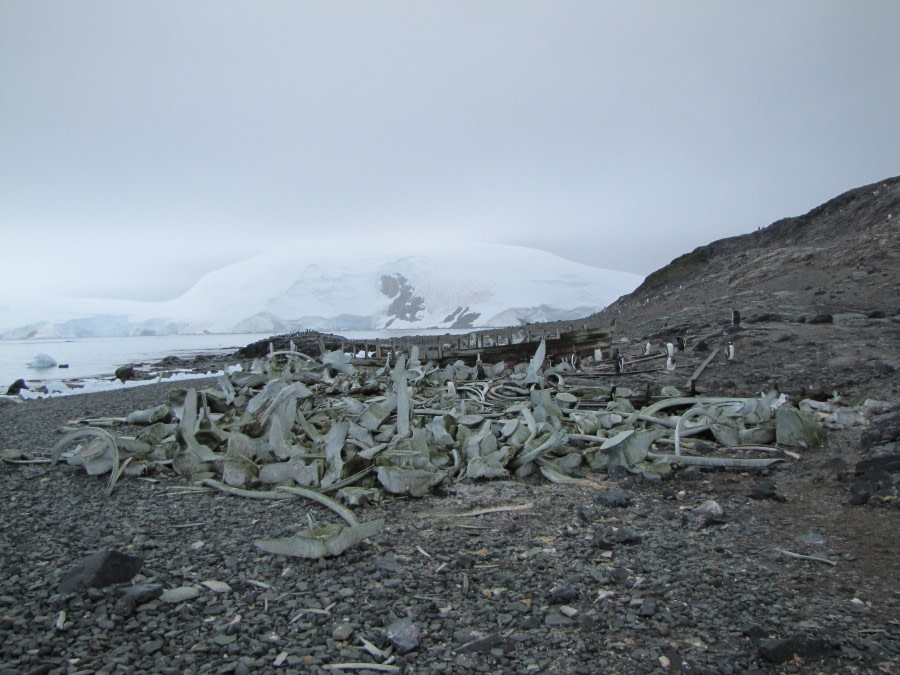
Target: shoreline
[[32, 425], [170, 369]]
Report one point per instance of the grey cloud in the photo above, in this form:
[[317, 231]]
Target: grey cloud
[[620, 134]]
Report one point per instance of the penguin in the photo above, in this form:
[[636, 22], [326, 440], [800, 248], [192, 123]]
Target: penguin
[[735, 318], [679, 343], [647, 349], [451, 388], [670, 350], [729, 351], [620, 364], [670, 362]]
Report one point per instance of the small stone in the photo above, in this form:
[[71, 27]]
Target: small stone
[[222, 639], [483, 644], [626, 535], [151, 647], [588, 513], [763, 490], [133, 596], [386, 564], [709, 508], [561, 594], [648, 608], [689, 473], [782, 650], [404, 635], [341, 632], [180, 594], [813, 538], [613, 498], [568, 611], [557, 619], [216, 586]]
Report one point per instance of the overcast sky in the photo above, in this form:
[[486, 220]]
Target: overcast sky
[[143, 144]]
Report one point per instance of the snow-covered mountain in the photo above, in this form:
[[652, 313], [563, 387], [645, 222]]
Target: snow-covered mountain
[[457, 287]]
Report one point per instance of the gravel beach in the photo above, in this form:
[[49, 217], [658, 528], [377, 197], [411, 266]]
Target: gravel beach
[[622, 576]]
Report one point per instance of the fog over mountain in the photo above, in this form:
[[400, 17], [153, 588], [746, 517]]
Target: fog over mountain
[[457, 287]]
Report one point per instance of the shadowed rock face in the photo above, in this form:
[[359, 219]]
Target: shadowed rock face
[[461, 318], [405, 305], [847, 244]]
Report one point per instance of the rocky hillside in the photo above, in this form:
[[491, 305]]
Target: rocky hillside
[[841, 257]]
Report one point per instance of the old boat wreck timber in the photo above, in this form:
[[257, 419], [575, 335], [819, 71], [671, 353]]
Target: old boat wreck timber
[[512, 346]]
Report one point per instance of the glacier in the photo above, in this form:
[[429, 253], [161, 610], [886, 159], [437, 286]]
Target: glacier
[[458, 286]]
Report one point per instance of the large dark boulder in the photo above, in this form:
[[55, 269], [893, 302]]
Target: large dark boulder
[[103, 568], [16, 387]]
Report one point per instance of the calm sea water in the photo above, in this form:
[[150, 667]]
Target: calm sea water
[[95, 357]]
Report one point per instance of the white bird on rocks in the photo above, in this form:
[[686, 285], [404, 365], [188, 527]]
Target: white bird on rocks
[[670, 350], [670, 362], [647, 348], [729, 351]]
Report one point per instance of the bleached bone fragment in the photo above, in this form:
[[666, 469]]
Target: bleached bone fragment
[[295, 469], [414, 482], [160, 413], [377, 412], [334, 445], [323, 542]]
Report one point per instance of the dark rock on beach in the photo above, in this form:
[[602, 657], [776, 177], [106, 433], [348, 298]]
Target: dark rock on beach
[[103, 568], [16, 387]]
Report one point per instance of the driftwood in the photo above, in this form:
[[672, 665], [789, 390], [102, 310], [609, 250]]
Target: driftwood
[[692, 380]]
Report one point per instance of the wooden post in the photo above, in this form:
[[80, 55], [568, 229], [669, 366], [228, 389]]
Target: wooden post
[[377, 349]]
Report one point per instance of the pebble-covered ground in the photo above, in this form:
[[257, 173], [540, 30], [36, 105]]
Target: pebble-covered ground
[[621, 575]]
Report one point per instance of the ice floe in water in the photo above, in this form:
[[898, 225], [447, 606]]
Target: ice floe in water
[[42, 361]]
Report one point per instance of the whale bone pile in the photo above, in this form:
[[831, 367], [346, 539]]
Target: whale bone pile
[[312, 427]]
